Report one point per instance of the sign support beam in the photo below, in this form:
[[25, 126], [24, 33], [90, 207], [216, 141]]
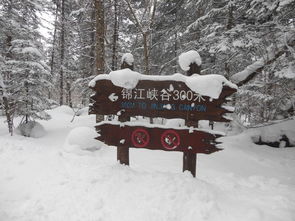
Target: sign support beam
[[123, 151], [190, 159]]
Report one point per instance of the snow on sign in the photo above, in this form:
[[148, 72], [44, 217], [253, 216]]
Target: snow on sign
[[157, 138], [165, 98], [127, 93]]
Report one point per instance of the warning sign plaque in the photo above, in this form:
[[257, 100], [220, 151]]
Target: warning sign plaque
[[158, 138]]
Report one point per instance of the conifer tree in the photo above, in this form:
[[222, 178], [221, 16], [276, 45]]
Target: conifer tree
[[24, 65]]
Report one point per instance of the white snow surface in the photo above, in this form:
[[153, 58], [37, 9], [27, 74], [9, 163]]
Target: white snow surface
[[81, 138], [41, 181], [273, 133], [187, 58], [128, 58], [31, 129], [206, 85], [176, 122]]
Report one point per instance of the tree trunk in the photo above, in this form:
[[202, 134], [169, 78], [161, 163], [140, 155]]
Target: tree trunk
[[27, 102], [230, 18], [100, 52], [53, 47], [7, 108], [69, 94], [92, 48], [62, 53], [145, 36], [115, 37]]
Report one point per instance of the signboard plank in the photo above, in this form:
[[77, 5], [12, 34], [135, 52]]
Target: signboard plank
[[167, 99], [158, 138]]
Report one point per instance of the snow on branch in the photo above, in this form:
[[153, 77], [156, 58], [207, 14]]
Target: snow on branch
[[252, 70], [200, 20]]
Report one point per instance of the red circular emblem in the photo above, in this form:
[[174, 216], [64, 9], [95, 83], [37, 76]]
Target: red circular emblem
[[140, 137], [170, 139]]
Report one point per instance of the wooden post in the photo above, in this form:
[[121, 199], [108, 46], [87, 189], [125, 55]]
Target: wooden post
[[190, 159], [122, 151], [194, 69]]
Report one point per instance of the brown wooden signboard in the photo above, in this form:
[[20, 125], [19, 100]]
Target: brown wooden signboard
[[167, 99], [156, 138], [158, 98]]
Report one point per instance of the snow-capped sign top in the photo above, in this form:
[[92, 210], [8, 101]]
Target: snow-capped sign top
[[187, 58], [125, 78], [128, 58], [206, 85]]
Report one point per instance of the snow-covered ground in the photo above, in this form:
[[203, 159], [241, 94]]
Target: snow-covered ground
[[44, 179]]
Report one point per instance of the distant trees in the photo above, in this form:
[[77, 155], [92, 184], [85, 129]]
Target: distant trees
[[24, 69], [251, 42]]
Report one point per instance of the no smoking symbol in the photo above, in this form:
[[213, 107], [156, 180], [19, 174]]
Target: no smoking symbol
[[170, 140], [140, 137]]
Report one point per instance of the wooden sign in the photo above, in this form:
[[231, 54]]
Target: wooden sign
[[156, 96], [158, 138], [167, 99]]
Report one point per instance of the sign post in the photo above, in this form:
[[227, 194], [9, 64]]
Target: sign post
[[158, 96], [123, 151], [189, 159]]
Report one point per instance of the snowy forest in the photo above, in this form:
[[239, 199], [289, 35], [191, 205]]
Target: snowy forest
[[51, 49], [249, 42]]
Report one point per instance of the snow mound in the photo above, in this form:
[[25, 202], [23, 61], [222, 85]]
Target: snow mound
[[277, 135], [187, 58], [125, 78], [83, 111], [128, 58], [64, 109], [81, 138], [177, 122], [31, 129]]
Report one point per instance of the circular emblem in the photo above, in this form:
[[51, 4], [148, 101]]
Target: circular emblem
[[170, 139], [140, 137]]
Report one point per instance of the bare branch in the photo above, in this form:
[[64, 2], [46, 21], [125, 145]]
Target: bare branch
[[134, 16]]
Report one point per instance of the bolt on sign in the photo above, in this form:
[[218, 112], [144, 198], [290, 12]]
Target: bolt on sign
[[158, 96]]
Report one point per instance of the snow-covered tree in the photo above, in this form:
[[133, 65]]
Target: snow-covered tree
[[28, 74], [252, 42], [24, 70]]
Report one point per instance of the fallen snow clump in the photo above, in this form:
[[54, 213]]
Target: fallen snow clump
[[31, 129], [81, 138], [64, 109]]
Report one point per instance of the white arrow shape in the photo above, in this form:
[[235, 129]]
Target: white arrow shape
[[113, 97]]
